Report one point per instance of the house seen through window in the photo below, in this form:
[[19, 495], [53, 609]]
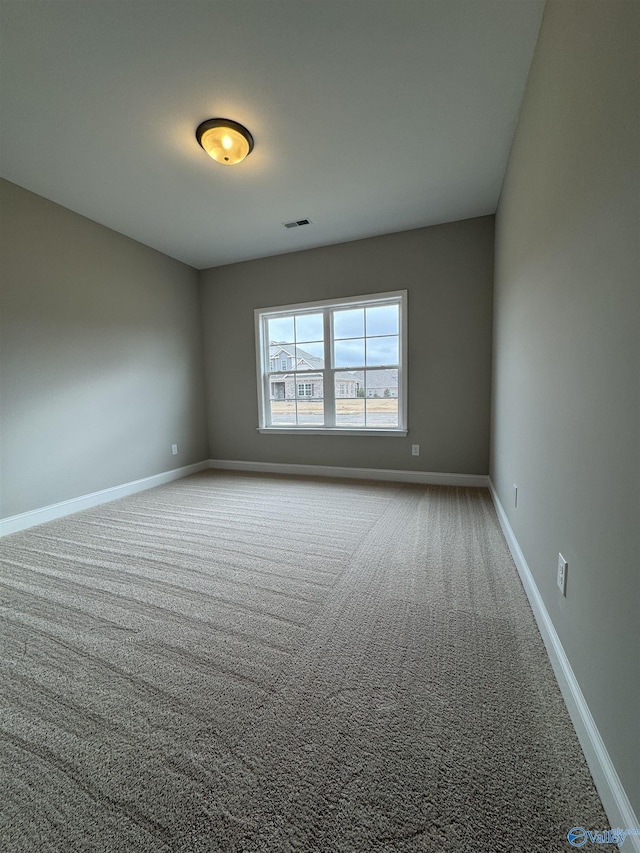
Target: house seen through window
[[333, 366]]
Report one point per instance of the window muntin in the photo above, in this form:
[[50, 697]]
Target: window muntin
[[345, 365]]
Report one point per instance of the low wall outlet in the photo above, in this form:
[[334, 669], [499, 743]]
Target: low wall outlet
[[515, 495], [562, 574], [415, 450], [174, 449]]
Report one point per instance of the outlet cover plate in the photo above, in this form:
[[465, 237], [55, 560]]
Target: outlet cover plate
[[562, 574]]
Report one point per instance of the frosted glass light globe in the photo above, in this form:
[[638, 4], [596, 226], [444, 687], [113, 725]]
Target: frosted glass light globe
[[226, 141]]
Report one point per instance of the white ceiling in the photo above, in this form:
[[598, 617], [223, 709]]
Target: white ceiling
[[369, 116]]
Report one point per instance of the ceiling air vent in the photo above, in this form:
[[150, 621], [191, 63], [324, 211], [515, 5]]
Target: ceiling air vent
[[296, 223]]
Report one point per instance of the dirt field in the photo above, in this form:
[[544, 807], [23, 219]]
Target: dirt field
[[348, 407], [380, 413]]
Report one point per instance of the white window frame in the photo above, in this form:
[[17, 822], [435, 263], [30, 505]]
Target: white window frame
[[326, 307]]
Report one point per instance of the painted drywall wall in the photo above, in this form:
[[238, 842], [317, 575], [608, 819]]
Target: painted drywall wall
[[566, 408], [447, 271], [100, 357]]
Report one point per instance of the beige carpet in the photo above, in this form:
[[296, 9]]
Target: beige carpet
[[250, 663]]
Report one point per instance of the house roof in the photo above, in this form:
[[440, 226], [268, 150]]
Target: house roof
[[378, 378], [297, 353], [368, 118], [375, 379]]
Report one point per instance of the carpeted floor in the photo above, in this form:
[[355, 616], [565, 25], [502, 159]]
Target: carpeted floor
[[258, 663]]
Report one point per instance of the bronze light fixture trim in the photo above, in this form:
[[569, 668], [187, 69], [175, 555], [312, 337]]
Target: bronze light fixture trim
[[226, 141]]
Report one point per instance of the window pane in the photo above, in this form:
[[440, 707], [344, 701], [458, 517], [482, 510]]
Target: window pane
[[281, 330], [310, 406], [309, 327], [348, 323], [382, 320], [282, 404], [306, 386], [382, 350], [278, 389], [348, 353], [281, 358], [381, 396], [311, 355], [350, 402], [310, 412]]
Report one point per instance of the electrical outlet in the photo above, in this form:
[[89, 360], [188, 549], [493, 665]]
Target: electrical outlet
[[415, 450], [562, 574], [515, 495], [174, 449]]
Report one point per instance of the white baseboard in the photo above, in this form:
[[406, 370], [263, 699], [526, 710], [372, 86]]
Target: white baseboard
[[14, 523], [424, 477], [614, 798]]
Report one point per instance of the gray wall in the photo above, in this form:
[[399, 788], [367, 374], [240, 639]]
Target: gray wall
[[566, 410], [448, 273], [100, 357]]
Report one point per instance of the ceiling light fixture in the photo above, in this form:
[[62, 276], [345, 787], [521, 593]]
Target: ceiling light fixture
[[226, 141]]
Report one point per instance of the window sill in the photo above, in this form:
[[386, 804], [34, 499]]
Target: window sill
[[391, 433]]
